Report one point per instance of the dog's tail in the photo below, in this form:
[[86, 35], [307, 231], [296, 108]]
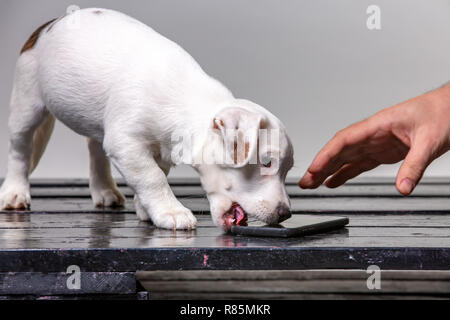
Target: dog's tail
[[40, 140]]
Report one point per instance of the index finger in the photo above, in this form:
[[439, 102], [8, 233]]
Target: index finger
[[342, 148]]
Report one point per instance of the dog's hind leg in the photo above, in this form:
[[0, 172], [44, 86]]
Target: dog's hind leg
[[30, 126], [104, 190]]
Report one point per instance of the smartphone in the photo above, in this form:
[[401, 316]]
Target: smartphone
[[297, 226]]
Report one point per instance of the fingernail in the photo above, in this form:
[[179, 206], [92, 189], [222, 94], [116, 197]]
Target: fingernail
[[407, 186]]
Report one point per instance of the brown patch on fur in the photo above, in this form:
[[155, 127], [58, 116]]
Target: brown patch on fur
[[235, 154], [97, 12], [53, 23], [34, 37], [215, 124], [238, 155], [247, 148]]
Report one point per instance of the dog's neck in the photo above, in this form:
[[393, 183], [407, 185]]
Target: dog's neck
[[193, 129], [195, 133]]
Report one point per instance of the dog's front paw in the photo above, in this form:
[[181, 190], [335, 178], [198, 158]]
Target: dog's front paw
[[108, 198], [140, 210], [179, 218], [15, 198]]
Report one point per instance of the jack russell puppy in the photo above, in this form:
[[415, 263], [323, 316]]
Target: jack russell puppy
[[133, 93]]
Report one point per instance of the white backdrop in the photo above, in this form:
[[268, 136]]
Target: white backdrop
[[312, 63]]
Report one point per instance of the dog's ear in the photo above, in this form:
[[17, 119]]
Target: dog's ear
[[239, 130]]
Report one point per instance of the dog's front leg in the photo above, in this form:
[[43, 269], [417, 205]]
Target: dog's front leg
[[154, 197]]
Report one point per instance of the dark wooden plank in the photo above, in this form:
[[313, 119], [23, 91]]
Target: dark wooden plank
[[437, 180], [71, 205], [70, 192], [390, 231], [330, 241], [84, 205], [288, 296], [421, 191], [25, 230], [356, 190], [84, 192], [400, 220], [361, 204], [346, 205], [214, 258], [84, 182], [304, 286], [207, 236], [55, 283], [195, 181], [21, 230], [368, 180], [99, 296], [325, 274], [23, 220], [287, 284]]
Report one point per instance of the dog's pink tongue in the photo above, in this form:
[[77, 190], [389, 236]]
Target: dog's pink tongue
[[241, 217], [235, 216]]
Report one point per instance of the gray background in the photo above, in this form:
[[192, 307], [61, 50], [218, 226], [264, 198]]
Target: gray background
[[312, 63]]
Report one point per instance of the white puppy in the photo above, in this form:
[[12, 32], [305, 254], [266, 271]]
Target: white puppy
[[130, 91]]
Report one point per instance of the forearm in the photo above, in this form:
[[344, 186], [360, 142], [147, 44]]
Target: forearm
[[439, 101]]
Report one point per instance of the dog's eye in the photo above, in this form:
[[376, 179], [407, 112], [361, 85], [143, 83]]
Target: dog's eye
[[266, 161]]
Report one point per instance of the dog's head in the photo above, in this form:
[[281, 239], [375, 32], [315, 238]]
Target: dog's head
[[246, 158]]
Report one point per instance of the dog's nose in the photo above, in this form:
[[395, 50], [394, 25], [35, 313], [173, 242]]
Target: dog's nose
[[283, 212]]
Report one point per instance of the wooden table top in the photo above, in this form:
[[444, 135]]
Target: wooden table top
[[385, 229]]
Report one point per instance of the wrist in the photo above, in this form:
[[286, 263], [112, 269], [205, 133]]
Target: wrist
[[443, 95], [440, 99], [443, 101]]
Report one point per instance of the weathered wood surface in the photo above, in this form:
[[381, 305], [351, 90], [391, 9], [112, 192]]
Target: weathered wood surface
[[20, 230], [142, 295], [288, 296], [346, 205], [293, 284], [195, 191], [63, 227], [222, 258], [189, 181], [126, 220], [55, 283], [433, 195]]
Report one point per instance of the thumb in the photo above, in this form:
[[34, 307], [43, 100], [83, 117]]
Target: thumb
[[412, 169]]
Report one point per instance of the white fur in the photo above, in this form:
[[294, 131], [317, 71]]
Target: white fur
[[128, 89]]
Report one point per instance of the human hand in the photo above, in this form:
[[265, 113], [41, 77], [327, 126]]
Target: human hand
[[417, 130]]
